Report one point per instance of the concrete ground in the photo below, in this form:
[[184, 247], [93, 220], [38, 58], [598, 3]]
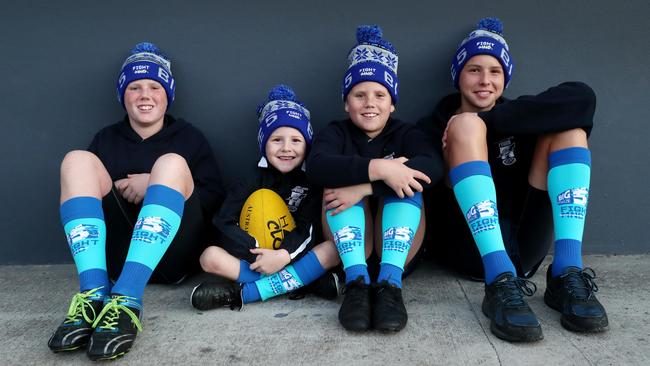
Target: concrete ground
[[446, 326]]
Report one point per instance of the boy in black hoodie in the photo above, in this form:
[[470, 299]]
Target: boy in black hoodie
[[373, 164], [150, 180], [517, 153]]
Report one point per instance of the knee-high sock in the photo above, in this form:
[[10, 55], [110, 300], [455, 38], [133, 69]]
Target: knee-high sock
[[400, 221], [83, 223], [568, 188], [154, 230], [247, 275], [348, 228], [301, 273], [477, 198]]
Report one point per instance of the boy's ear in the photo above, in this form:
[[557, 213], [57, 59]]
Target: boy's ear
[[346, 106], [392, 108]]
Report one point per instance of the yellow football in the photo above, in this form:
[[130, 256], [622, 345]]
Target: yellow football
[[266, 217]]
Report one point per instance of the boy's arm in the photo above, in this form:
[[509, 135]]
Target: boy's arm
[[327, 166], [230, 236], [560, 108]]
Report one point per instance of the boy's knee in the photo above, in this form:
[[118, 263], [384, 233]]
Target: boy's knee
[[466, 129], [78, 157], [171, 162], [209, 259]]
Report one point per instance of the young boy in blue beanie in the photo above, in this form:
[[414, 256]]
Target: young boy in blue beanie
[[373, 168], [301, 257], [505, 160], [133, 207]]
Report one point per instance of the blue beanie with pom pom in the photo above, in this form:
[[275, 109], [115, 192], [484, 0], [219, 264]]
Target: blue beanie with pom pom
[[487, 39], [146, 62], [372, 59], [282, 109]]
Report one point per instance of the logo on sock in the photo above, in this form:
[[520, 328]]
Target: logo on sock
[[151, 228], [347, 238], [283, 283], [398, 239], [82, 236], [483, 216], [573, 202]]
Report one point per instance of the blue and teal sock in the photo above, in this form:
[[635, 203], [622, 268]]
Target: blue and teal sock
[[477, 198], [246, 274], [348, 228], [400, 221], [83, 223], [157, 224], [568, 188], [290, 278]]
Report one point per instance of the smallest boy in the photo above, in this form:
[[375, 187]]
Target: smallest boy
[[285, 135]]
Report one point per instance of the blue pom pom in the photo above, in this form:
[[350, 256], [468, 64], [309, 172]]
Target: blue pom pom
[[491, 24], [282, 92], [145, 47], [369, 33]]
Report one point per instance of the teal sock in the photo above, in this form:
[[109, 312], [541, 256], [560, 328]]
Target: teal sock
[[83, 223], [348, 228], [154, 230], [400, 221], [477, 198], [292, 277], [568, 188]]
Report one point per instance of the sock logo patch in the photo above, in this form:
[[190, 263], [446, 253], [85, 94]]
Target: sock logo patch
[[283, 283], [347, 238], [398, 239], [150, 229], [483, 216], [82, 236], [573, 202]]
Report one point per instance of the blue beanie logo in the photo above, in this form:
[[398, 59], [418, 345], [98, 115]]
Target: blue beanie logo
[[487, 39]]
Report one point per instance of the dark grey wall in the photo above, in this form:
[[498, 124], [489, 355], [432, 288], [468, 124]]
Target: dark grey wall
[[60, 60]]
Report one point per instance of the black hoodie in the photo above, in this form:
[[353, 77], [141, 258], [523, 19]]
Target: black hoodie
[[123, 151], [341, 153]]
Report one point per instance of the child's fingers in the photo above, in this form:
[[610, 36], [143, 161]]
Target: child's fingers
[[419, 175]]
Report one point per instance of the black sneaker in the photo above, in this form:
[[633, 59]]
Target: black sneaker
[[388, 312], [354, 313], [115, 328], [77, 327], [326, 287], [572, 294], [510, 317], [212, 295]]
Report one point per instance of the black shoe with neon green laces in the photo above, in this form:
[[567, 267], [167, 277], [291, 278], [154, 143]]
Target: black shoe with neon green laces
[[115, 328], [77, 327]]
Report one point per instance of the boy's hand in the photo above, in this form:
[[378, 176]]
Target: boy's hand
[[133, 187], [397, 176], [345, 197], [269, 261]]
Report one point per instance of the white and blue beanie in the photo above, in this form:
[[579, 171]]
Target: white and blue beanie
[[372, 59], [146, 62], [487, 39], [282, 109]]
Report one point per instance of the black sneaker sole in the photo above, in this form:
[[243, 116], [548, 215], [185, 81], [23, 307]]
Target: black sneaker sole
[[108, 358], [519, 334], [587, 325]]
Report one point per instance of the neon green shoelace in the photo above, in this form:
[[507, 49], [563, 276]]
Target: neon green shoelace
[[80, 302], [112, 312]]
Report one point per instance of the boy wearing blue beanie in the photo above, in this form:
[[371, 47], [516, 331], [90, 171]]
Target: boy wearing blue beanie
[[505, 160], [133, 207], [373, 168], [299, 256]]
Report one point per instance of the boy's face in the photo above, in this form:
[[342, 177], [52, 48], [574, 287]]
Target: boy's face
[[369, 105], [481, 83], [145, 101], [285, 149]]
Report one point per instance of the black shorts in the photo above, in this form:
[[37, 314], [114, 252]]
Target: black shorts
[[182, 256], [525, 215]]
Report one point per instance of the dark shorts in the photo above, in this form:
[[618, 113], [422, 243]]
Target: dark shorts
[[182, 256], [525, 217]]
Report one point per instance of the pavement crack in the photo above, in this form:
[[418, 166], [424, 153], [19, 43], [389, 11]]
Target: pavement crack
[[478, 320]]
